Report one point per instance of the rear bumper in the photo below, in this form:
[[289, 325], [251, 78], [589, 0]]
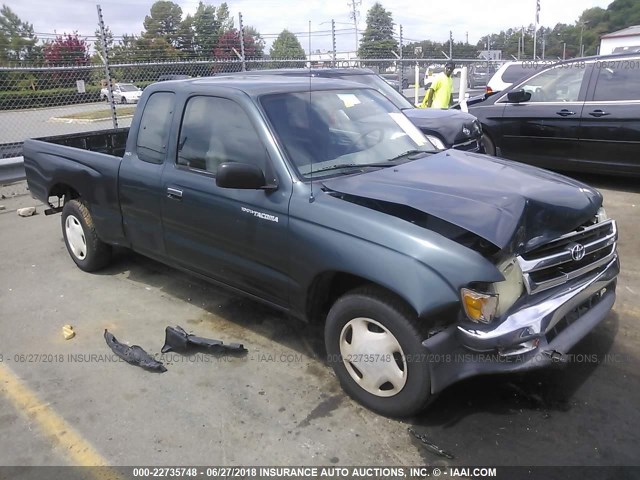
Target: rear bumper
[[528, 338]]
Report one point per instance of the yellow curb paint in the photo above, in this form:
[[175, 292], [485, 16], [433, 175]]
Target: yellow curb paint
[[78, 450]]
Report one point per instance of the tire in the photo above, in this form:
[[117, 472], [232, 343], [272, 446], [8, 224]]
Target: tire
[[390, 342], [85, 248], [489, 146], [123, 100]]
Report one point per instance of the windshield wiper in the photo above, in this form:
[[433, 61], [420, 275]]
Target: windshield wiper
[[409, 152], [354, 166]]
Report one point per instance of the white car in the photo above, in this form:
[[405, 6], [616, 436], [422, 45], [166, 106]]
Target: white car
[[510, 72], [123, 93]]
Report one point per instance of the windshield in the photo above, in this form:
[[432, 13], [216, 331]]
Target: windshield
[[323, 131], [383, 87], [127, 87]]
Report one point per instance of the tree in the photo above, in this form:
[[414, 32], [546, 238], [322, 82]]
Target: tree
[[377, 39], [287, 46], [623, 13], [227, 46], [224, 20], [163, 22], [67, 49], [97, 44], [257, 40], [206, 30], [185, 38], [17, 40]]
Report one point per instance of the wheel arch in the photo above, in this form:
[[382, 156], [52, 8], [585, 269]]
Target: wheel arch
[[328, 286]]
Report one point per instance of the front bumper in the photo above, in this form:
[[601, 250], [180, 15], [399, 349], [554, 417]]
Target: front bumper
[[528, 338], [471, 145]]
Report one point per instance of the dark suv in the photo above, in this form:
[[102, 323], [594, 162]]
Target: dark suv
[[580, 115], [444, 128]]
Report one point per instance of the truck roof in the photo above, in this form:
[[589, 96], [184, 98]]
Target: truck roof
[[255, 84]]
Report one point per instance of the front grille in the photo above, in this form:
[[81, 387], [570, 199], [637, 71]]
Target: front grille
[[554, 264]]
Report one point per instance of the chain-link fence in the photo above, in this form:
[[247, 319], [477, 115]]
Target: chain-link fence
[[46, 101]]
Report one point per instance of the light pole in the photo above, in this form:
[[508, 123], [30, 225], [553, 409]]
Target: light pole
[[582, 24], [564, 50]]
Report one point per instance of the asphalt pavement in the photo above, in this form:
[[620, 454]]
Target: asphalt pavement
[[68, 401]]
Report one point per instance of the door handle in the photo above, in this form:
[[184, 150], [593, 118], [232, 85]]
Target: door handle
[[599, 113], [565, 113], [174, 193]]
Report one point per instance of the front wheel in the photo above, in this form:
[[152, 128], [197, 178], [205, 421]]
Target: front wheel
[[123, 100], [86, 249], [374, 345], [489, 146]]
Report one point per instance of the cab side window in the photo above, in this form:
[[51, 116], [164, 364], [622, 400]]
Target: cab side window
[[217, 130], [153, 134], [618, 81], [558, 84]]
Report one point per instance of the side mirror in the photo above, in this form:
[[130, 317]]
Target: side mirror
[[518, 96], [240, 175]]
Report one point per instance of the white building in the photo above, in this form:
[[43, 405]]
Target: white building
[[626, 40]]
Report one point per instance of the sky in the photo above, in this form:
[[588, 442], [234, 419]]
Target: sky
[[420, 20]]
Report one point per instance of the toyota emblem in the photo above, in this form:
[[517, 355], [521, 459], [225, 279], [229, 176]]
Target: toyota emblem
[[466, 131], [577, 252]]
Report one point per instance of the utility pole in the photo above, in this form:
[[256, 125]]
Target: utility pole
[[535, 29], [582, 24], [467, 42], [354, 15], [333, 43], [450, 44]]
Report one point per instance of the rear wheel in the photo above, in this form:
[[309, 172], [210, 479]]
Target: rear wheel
[[123, 100], [86, 249], [374, 345]]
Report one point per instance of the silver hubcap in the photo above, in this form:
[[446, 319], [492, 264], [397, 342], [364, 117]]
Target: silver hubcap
[[373, 357], [75, 237]]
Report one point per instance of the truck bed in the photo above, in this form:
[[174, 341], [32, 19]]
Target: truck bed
[[82, 165], [111, 142]]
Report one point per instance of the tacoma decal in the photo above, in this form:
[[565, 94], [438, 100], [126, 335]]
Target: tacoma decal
[[263, 216]]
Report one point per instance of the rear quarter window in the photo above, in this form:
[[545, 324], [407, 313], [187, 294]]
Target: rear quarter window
[[153, 134], [618, 81]]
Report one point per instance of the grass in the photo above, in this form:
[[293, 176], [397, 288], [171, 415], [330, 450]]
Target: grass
[[100, 114]]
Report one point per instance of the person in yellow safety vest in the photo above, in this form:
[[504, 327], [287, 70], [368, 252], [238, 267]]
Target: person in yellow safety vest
[[440, 93]]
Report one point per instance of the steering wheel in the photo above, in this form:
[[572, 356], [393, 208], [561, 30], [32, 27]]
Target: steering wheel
[[370, 139]]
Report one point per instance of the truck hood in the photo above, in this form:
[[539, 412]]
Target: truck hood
[[516, 207]]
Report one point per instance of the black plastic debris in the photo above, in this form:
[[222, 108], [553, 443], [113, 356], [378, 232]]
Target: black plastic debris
[[430, 446], [135, 355], [178, 340]]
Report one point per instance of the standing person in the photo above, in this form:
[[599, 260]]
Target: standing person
[[440, 93]]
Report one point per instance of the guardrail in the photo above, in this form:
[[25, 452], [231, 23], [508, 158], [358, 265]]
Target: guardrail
[[11, 170]]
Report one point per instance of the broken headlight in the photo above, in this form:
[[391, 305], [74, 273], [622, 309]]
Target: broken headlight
[[601, 216], [500, 296]]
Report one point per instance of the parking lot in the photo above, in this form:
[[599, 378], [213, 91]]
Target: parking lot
[[69, 402]]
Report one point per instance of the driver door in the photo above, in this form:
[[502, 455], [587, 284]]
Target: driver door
[[234, 236], [543, 131]]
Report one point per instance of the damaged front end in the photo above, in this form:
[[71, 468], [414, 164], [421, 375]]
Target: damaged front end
[[551, 298], [547, 235]]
